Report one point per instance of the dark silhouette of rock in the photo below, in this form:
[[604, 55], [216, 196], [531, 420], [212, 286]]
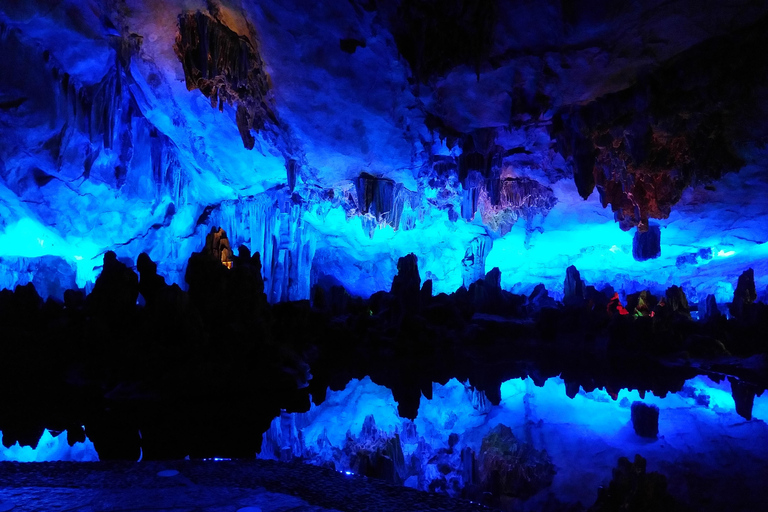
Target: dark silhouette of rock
[[486, 293], [246, 284], [339, 300], [510, 467], [744, 295], [150, 283], [208, 273], [426, 292], [473, 263], [645, 419], [74, 299], [493, 280], [708, 310], [407, 279], [116, 289], [598, 300], [539, 298], [634, 490], [172, 367], [319, 299], [27, 298], [700, 345], [677, 303], [573, 288], [743, 396], [406, 284], [646, 244]]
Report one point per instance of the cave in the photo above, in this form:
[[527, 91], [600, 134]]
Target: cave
[[383, 255]]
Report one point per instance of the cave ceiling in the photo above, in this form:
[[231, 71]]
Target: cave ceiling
[[548, 133]]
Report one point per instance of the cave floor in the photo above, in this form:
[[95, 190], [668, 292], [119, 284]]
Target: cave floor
[[204, 486]]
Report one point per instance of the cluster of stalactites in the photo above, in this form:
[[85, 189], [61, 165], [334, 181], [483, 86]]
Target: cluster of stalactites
[[380, 201], [226, 68], [106, 113], [273, 226], [490, 187]]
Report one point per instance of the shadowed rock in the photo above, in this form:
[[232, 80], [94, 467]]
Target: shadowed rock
[[646, 245], [744, 295], [116, 289], [406, 284], [743, 396], [634, 490], [150, 283], [227, 69], [573, 288], [645, 419], [708, 310]]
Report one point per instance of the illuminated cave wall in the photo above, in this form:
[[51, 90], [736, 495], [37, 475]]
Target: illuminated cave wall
[[523, 137]]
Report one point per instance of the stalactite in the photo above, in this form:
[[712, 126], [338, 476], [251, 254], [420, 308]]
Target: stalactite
[[273, 226], [380, 201], [519, 198], [473, 264], [226, 68], [167, 172], [107, 115]]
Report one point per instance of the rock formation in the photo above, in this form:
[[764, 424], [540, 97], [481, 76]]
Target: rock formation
[[645, 419]]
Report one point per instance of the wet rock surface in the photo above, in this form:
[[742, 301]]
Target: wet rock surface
[[221, 486]]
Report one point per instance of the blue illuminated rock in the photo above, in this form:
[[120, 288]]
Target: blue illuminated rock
[[51, 275], [130, 131], [473, 263], [646, 245]]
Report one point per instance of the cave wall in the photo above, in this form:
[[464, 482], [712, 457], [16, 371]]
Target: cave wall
[[364, 131]]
